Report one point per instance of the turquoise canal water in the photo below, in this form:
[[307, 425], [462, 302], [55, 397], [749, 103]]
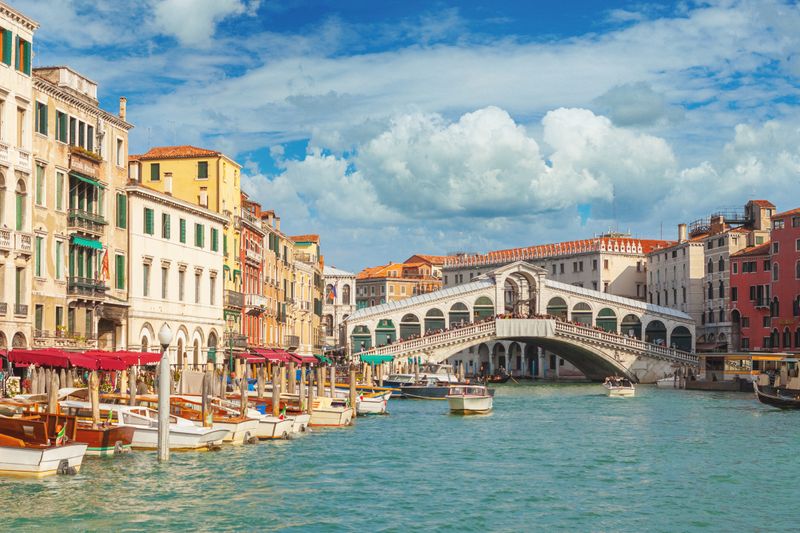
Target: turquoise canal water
[[549, 457]]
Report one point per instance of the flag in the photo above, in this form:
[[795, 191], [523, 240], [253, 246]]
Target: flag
[[332, 294], [110, 414], [61, 435], [283, 413], [106, 275]]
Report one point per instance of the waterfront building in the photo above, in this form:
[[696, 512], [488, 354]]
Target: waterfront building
[[16, 183], [307, 293], [751, 273], [419, 274], [252, 260], [176, 268], [277, 281], [80, 241], [210, 179], [339, 304], [785, 281]]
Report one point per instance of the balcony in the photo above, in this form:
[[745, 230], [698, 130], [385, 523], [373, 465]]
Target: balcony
[[233, 299], [6, 239], [3, 151], [255, 300], [62, 339], [23, 242], [234, 340], [23, 158], [292, 342], [87, 287], [250, 218], [762, 302], [84, 221], [21, 309], [253, 256], [3, 308]]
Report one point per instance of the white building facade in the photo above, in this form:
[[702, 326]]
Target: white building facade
[[175, 274], [339, 303]]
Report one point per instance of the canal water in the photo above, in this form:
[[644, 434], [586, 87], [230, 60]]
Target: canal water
[[549, 457]]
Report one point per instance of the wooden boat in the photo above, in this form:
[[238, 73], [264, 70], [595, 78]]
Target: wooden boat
[[29, 449], [267, 427], [618, 387], [469, 399], [183, 434], [289, 403], [373, 403], [105, 439], [240, 429], [777, 397], [327, 412], [498, 378]]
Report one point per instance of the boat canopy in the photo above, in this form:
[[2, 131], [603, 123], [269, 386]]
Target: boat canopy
[[53, 357], [376, 359]]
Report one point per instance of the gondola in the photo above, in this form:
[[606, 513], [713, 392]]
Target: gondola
[[780, 398], [502, 378]]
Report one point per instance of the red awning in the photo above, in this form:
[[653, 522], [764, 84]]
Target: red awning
[[273, 356], [252, 358], [303, 359], [53, 357], [121, 359]]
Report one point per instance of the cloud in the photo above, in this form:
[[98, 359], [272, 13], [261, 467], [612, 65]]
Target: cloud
[[193, 22], [635, 104]]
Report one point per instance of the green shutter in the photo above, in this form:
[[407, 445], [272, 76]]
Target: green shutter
[[16, 52], [183, 230], [20, 208], [120, 271], [44, 118], [155, 172], [199, 235], [225, 245], [165, 225], [7, 47], [214, 240], [26, 65], [38, 265], [122, 211], [148, 221]]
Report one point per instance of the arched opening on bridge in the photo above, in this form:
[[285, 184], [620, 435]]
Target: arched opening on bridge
[[607, 320], [511, 295], [631, 326], [557, 307], [582, 313], [385, 332], [514, 356], [532, 360], [483, 360], [656, 333], [434, 319], [459, 314], [500, 355], [483, 308], [409, 326], [681, 339], [361, 339]]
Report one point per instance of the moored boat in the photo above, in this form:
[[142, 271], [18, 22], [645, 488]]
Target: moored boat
[[469, 399], [619, 387], [325, 412], [777, 397], [374, 403], [28, 449]]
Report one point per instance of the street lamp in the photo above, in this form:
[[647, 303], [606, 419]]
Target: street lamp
[[164, 338]]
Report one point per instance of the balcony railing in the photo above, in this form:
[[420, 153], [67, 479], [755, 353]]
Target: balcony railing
[[3, 308], [21, 309], [291, 341], [3, 151], [6, 242], [86, 287], [234, 340], [62, 339], [83, 220], [23, 158], [233, 298], [253, 255], [23, 242], [255, 300]]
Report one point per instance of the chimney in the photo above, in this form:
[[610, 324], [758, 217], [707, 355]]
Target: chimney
[[681, 232], [168, 182], [123, 107]]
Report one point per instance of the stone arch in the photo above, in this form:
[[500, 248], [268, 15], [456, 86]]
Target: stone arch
[[681, 338], [607, 319], [213, 339], [656, 332], [346, 294], [557, 306], [582, 313], [197, 347], [484, 358], [18, 340], [499, 355], [410, 326], [514, 356], [361, 338], [511, 294], [631, 326], [483, 308], [385, 332], [181, 342], [434, 319], [459, 313], [3, 341], [147, 336], [523, 298], [532, 358]]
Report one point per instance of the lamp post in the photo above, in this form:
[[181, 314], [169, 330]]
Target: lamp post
[[164, 338]]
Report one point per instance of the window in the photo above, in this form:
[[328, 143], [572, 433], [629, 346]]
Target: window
[[710, 245], [199, 235], [155, 172], [554, 268], [734, 294], [20, 205], [721, 265], [122, 211], [710, 266], [777, 224], [59, 259], [23, 63], [61, 127], [605, 264], [73, 131], [59, 191], [722, 289], [797, 245], [225, 245], [721, 241], [775, 272], [21, 129], [767, 266], [119, 271], [797, 270], [38, 317], [759, 239], [594, 264], [202, 170], [745, 343], [164, 282], [197, 278], [89, 138], [735, 267], [214, 240], [37, 268], [710, 291], [181, 284], [775, 247], [41, 118], [5, 42], [81, 133], [796, 222], [212, 288], [765, 322], [182, 230], [562, 268], [148, 221], [145, 280], [40, 191], [59, 318], [745, 322], [165, 225], [120, 153]]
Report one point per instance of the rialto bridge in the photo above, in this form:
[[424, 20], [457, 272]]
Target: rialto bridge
[[598, 333]]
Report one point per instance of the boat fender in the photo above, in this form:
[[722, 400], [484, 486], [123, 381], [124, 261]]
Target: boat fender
[[64, 469], [118, 447]]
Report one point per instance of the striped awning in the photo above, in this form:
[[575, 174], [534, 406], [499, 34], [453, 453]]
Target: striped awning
[[85, 179], [86, 243]]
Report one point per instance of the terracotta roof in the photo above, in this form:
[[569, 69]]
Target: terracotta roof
[[762, 203], [432, 259], [795, 211], [174, 152], [761, 249], [305, 238]]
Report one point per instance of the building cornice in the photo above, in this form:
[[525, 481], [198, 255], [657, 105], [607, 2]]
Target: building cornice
[[166, 199], [71, 99], [18, 17]]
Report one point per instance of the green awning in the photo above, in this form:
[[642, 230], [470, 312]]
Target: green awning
[[84, 179], [323, 359], [87, 243], [376, 359]]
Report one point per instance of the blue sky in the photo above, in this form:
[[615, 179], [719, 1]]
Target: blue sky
[[432, 127]]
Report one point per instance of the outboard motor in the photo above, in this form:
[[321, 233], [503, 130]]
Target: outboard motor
[[64, 469]]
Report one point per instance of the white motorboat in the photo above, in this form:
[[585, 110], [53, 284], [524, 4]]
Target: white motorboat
[[469, 399], [670, 382], [299, 422], [373, 403], [326, 412], [241, 429], [183, 434], [617, 387], [18, 458]]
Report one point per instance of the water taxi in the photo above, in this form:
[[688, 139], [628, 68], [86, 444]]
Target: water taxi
[[373, 403], [618, 387], [469, 399], [29, 449]]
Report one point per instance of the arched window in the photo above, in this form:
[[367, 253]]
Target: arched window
[[787, 338], [774, 271], [710, 291], [346, 295], [710, 266], [710, 316], [797, 337], [721, 314], [721, 265], [20, 205], [703, 317], [775, 308], [722, 289], [797, 270]]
